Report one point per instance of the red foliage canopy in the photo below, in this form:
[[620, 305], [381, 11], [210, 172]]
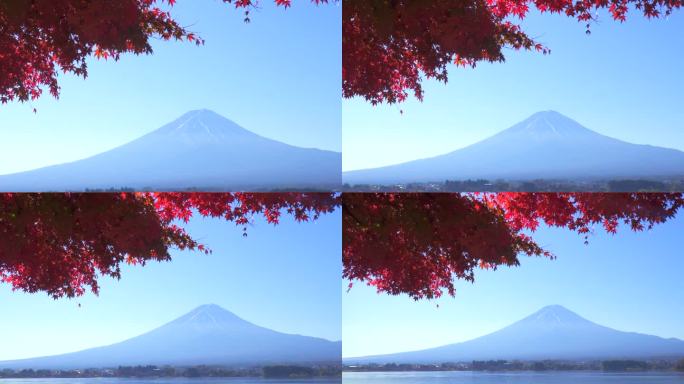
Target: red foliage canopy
[[388, 44], [418, 244], [40, 37], [60, 243]]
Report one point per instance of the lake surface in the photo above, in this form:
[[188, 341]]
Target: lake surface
[[229, 380], [510, 378]]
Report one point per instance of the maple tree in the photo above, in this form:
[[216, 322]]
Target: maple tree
[[60, 243], [389, 45], [419, 243], [39, 38], [407, 243]]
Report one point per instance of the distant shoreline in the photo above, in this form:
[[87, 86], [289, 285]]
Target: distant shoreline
[[520, 371], [672, 184], [540, 366], [200, 371]]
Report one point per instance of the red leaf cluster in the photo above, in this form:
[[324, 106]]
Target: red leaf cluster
[[418, 244], [390, 45], [61, 243], [406, 243], [39, 38]]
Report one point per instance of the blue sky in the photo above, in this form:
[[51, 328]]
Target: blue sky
[[623, 80], [278, 76], [630, 282], [284, 278]]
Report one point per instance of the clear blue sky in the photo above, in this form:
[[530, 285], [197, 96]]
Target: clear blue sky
[[630, 282], [284, 278], [278, 76], [623, 80]]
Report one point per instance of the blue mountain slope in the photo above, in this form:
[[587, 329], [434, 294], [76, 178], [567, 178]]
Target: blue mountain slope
[[202, 150], [207, 335], [554, 332], [547, 145]]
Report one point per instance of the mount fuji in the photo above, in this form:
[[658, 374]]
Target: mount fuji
[[200, 150], [547, 145], [208, 335], [552, 333]]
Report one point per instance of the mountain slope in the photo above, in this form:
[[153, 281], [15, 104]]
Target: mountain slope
[[198, 150], [547, 145], [551, 333], [207, 335]]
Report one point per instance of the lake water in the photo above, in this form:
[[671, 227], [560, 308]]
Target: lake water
[[510, 378], [229, 380]]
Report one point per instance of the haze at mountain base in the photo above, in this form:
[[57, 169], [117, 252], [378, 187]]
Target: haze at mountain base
[[547, 145], [553, 332], [200, 150], [208, 335]]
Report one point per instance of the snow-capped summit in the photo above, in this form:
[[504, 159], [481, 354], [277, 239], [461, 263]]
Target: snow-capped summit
[[552, 333], [199, 150], [546, 145], [207, 335]]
